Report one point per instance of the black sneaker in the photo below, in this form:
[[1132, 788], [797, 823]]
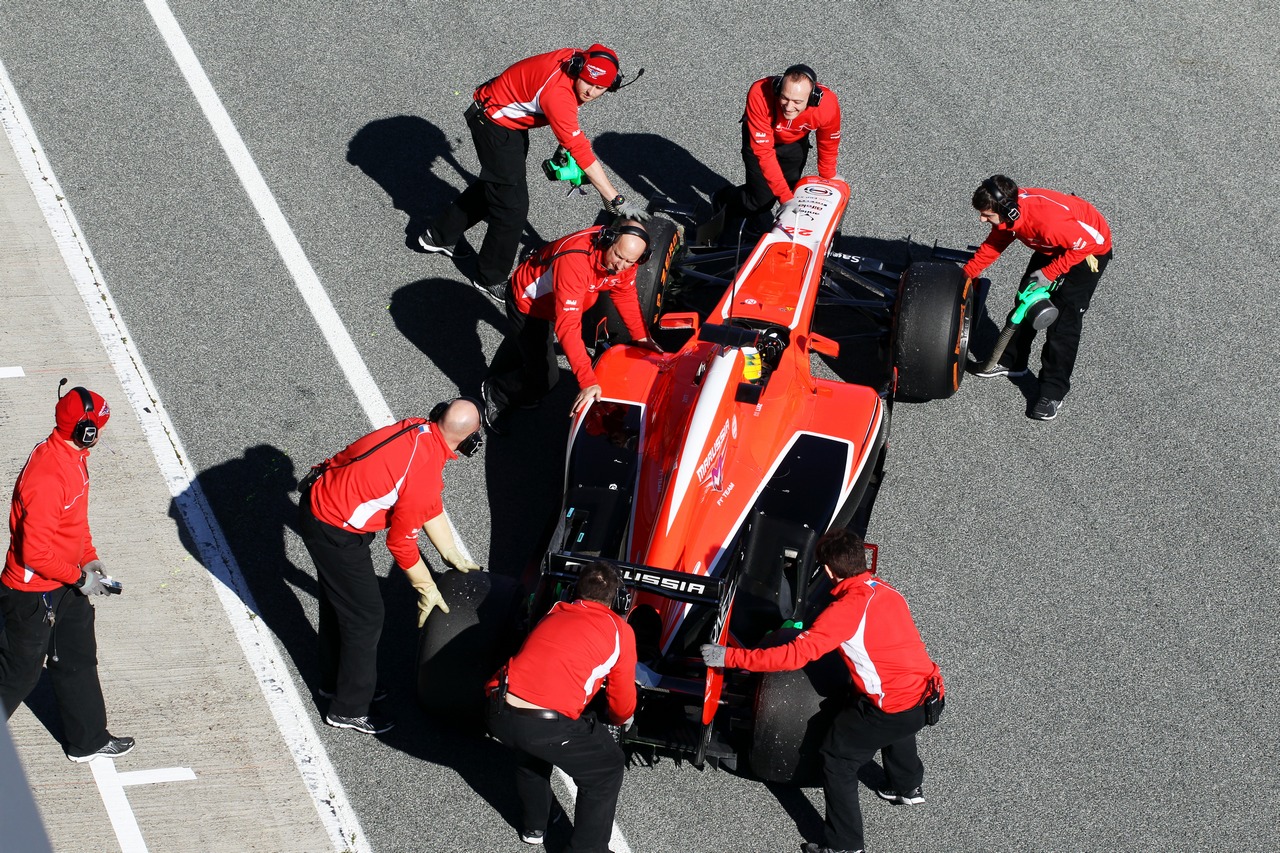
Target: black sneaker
[[491, 415], [379, 693], [368, 724], [998, 370], [532, 836], [1045, 409], [497, 293], [914, 797], [431, 243], [114, 748]]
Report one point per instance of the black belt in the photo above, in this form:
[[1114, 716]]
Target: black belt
[[536, 713]]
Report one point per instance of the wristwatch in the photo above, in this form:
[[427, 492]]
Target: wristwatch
[[617, 202]]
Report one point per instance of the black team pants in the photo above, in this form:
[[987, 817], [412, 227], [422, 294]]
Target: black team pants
[[754, 198]]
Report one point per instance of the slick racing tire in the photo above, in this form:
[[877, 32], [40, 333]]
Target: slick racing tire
[[932, 317], [459, 650], [793, 711], [651, 285]]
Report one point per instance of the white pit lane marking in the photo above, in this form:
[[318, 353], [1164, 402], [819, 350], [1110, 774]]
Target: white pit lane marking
[[112, 784], [11, 373]]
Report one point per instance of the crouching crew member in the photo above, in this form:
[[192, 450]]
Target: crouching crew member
[[1071, 245], [897, 689], [537, 701], [550, 291], [389, 480], [781, 113], [547, 89], [50, 571]]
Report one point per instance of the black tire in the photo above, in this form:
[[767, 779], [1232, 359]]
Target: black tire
[[461, 649], [793, 711], [651, 284], [932, 318]]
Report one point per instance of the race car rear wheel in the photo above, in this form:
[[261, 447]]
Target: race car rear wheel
[[461, 649], [651, 284], [933, 314]]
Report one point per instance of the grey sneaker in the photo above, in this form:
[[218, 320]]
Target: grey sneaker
[[1045, 409], [914, 797], [998, 370], [369, 724], [532, 836], [431, 243], [497, 293], [114, 748]]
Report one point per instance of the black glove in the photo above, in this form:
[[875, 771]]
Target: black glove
[[90, 582], [713, 655]]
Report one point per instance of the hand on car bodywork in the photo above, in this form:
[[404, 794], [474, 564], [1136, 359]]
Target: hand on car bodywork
[[585, 396], [713, 655]]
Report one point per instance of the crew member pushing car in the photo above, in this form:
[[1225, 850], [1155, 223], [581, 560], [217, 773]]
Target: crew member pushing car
[[547, 89], [389, 480], [538, 701], [1071, 245], [781, 113], [550, 290], [896, 691], [50, 571]]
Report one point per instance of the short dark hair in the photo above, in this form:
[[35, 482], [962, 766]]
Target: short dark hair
[[599, 582], [984, 199], [842, 551]]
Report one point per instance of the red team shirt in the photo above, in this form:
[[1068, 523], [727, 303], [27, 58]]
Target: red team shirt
[[767, 129], [397, 488], [870, 623], [560, 291], [1065, 227], [575, 646], [49, 520], [536, 92]]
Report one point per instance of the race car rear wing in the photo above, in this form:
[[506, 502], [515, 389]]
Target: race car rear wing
[[678, 586]]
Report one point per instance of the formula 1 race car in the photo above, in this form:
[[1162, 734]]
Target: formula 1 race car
[[706, 475]]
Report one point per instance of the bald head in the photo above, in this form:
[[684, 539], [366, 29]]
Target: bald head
[[460, 420], [627, 250]]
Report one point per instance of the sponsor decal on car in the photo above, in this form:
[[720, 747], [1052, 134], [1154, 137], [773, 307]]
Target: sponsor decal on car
[[691, 585], [713, 464]]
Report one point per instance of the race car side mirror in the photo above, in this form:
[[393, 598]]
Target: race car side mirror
[[679, 320], [824, 346]]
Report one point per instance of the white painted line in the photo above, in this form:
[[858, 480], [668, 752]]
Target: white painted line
[[11, 373], [117, 803], [153, 777], [292, 717], [286, 243]]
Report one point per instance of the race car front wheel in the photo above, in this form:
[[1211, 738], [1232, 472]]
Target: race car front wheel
[[932, 316]]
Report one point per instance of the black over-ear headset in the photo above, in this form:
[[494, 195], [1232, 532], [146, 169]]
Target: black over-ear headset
[[579, 60], [609, 235], [815, 94], [1006, 206], [469, 445], [85, 432]]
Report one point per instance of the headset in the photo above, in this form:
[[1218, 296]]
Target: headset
[[579, 61], [85, 432], [1006, 206], [469, 445], [815, 94], [609, 235]]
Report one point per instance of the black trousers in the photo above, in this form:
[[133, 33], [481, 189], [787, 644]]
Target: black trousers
[[1062, 339], [754, 198], [582, 748], [524, 368], [351, 611], [500, 197], [857, 733], [72, 650]]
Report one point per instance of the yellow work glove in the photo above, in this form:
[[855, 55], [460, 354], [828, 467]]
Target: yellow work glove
[[428, 594], [1092, 262], [454, 557]]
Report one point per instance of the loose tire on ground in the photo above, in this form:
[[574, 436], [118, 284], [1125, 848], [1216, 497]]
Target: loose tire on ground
[[459, 650], [793, 711], [651, 284], [932, 318]]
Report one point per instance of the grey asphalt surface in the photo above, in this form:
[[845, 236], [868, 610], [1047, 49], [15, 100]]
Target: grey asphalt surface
[[1099, 590]]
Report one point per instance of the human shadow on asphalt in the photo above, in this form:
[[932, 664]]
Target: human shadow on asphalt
[[399, 154], [653, 165], [251, 498], [440, 317]]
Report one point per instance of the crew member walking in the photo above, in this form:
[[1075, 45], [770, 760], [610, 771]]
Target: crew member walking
[[389, 480], [781, 113], [1071, 245], [547, 89], [50, 571], [897, 689], [550, 291], [538, 702]]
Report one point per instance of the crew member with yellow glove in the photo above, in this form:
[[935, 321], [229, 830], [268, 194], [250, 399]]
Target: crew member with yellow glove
[[391, 479]]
